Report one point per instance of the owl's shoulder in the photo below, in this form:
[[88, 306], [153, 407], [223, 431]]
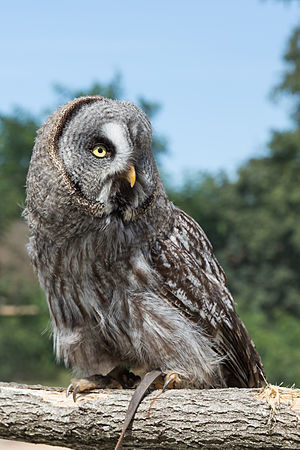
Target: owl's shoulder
[[188, 238]]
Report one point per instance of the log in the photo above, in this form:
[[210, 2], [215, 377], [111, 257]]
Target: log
[[182, 419]]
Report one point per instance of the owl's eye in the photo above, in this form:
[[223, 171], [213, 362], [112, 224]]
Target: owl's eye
[[100, 151]]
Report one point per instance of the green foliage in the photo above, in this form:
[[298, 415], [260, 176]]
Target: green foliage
[[290, 83], [25, 341], [264, 218], [277, 340], [17, 132]]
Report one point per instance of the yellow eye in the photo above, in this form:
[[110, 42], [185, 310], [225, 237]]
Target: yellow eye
[[99, 151]]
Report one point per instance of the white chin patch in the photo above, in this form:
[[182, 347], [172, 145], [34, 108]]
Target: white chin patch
[[116, 133]]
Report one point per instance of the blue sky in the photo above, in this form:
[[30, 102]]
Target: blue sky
[[210, 63]]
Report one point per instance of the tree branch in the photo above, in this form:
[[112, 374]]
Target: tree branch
[[181, 419]]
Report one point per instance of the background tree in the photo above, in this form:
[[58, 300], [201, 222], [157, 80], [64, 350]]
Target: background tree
[[17, 132]]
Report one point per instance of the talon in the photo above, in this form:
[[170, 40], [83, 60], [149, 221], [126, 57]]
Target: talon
[[75, 391], [68, 391], [171, 378], [78, 385]]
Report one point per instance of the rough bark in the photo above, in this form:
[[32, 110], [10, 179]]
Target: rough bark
[[181, 419]]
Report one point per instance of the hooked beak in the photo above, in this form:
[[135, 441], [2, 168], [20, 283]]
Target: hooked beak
[[130, 175]]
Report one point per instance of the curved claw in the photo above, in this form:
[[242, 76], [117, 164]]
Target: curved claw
[[75, 391], [69, 389], [170, 378]]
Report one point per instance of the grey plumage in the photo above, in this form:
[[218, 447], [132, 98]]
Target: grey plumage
[[130, 279]]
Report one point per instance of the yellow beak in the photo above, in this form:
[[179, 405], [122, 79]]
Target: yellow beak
[[130, 175]]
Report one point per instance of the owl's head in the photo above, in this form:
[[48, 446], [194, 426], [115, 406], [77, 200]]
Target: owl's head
[[105, 147], [95, 153]]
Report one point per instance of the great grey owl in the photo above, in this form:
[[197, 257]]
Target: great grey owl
[[131, 280]]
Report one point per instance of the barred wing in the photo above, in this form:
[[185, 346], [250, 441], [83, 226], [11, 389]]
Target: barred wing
[[194, 283]]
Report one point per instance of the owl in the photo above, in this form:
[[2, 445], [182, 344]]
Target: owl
[[131, 281]]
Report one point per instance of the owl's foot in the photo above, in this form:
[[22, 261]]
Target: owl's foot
[[79, 385], [118, 378], [170, 381]]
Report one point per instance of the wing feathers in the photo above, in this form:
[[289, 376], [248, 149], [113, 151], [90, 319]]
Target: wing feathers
[[194, 284]]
